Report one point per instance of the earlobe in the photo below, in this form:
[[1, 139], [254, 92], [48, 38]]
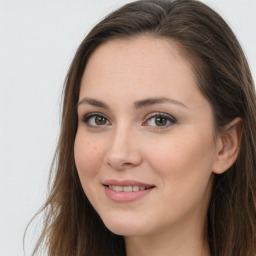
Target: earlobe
[[228, 145]]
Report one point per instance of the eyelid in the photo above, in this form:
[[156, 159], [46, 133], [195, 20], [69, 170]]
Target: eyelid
[[162, 114], [172, 120], [169, 117], [87, 116]]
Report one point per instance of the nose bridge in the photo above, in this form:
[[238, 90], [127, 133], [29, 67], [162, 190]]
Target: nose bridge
[[122, 150]]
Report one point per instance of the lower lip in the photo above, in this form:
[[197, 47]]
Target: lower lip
[[125, 197]]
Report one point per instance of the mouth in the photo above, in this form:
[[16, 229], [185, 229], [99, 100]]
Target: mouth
[[128, 188]]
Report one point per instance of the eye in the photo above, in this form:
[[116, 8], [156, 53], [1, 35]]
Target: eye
[[159, 120], [95, 120]]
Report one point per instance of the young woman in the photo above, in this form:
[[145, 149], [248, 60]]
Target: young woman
[[156, 154]]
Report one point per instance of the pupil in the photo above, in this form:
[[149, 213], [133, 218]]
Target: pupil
[[161, 121], [100, 120]]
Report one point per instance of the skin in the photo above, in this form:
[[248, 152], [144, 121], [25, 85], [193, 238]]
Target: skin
[[178, 157]]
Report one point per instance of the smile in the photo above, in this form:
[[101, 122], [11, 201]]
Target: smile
[[126, 191], [127, 188]]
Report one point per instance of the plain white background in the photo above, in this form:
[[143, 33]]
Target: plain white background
[[37, 42]]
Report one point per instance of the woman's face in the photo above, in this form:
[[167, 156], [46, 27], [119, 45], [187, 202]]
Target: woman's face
[[144, 147]]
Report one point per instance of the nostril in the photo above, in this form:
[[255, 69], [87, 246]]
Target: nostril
[[124, 164], [122, 157]]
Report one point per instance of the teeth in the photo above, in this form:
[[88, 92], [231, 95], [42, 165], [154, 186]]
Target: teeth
[[126, 188], [135, 188]]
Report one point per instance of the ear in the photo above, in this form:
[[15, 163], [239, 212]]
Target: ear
[[228, 145]]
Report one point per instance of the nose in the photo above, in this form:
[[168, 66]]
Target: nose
[[123, 150]]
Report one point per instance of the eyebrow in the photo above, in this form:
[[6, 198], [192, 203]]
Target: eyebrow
[[137, 104], [93, 102], [151, 101]]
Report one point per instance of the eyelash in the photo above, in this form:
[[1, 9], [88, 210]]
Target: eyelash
[[165, 116], [87, 118]]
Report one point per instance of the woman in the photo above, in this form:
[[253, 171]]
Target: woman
[[156, 154]]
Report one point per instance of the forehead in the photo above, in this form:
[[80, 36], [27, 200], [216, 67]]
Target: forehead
[[120, 72], [142, 45], [143, 59], [143, 50]]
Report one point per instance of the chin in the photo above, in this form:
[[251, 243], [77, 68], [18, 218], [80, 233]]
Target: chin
[[124, 227]]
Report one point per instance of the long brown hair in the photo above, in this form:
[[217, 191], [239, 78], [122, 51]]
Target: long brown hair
[[71, 225]]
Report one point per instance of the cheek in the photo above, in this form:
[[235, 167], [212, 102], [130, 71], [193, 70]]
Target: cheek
[[184, 161], [184, 168], [88, 156]]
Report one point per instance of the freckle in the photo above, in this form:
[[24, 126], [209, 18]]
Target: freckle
[[95, 148]]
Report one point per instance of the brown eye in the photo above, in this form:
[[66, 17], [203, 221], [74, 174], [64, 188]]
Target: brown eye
[[96, 120], [161, 121], [100, 120]]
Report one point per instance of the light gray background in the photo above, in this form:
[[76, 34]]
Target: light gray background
[[37, 42]]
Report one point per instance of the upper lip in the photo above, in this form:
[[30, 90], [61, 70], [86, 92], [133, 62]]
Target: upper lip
[[124, 183]]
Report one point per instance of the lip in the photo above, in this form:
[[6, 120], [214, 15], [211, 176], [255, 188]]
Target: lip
[[127, 183], [125, 197]]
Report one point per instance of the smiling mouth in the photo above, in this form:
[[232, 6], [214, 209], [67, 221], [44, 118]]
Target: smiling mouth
[[126, 191], [127, 188]]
